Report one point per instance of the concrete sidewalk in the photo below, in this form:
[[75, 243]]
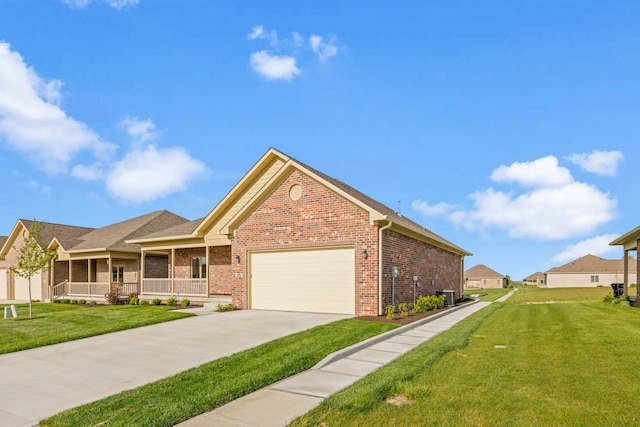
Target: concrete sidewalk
[[38, 383], [279, 403]]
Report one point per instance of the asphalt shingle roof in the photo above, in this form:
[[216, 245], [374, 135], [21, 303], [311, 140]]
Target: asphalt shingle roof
[[67, 235], [483, 271], [112, 237], [592, 264]]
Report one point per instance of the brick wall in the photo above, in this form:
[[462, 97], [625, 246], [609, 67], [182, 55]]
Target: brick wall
[[156, 267], [220, 270], [318, 218], [415, 258], [183, 261]]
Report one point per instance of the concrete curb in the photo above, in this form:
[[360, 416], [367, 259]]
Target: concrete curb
[[348, 351]]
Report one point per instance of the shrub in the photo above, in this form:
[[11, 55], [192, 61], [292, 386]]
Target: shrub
[[391, 311], [113, 296], [82, 301], [172, 301], [65, 300], [430, 302], [56, 301], [133, 301], [403, 307], [609, 299], [185, 302], [92, 303], [225, 307], [74, 301], [133, 295], [144, 302], [156, 301]]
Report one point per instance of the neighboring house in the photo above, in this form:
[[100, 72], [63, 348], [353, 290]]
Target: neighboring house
[[536, 279], [288, 237], [100, 260], [89, 262], [630, 241], [588, 271], [482, 276], [14, 287]]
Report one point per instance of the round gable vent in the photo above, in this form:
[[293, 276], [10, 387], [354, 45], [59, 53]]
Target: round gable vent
[[295, 192]]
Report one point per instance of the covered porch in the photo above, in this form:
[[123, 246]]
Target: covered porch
[[630, 242]]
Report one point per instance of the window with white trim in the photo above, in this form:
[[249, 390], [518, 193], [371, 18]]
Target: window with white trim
[[199, 268]]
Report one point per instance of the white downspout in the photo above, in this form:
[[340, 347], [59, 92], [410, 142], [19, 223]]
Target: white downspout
[[380, 230]]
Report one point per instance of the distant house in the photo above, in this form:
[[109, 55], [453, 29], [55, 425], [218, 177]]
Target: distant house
[[536, 279], [588, 271], [482, 276], [630, 241]]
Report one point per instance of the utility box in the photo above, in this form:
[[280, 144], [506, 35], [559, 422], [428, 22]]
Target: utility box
[[449, 297]]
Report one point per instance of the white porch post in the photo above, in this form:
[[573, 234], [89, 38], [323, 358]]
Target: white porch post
[[142, 262], [173, 268], [207, 252], [626, 272], [88, 276], [70, 271]]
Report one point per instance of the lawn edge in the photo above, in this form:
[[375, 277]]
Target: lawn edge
[[348, 351]]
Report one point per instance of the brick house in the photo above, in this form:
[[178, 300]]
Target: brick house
[[630, 241], [535, 279], [288, 237]]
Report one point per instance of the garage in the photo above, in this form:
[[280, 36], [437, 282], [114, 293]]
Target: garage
[[21, 287], [315, 280], [4, 283]]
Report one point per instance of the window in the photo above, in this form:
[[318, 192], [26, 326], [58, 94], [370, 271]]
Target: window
[[595, 279], [117, 273], [199, 268]]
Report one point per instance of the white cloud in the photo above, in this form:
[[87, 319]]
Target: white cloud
[[140, 131], [148, 174], [88, 173], [42, 188], [431, 210], [114, 4], [298, 40], [544, 172], [258, 32], [598, 246], [323, 49], [274, 67], [554, 209], [32, 122], [603, 163]]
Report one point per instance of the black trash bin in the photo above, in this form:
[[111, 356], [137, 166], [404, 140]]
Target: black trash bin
[[618, 289]]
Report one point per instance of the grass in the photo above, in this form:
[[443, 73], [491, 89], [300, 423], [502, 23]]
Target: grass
[[193, 392], [567, 364], [56, 323], [489, 294], [532, 294]]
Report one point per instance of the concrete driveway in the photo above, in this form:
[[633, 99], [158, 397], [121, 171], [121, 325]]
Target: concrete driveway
[[38, 383]]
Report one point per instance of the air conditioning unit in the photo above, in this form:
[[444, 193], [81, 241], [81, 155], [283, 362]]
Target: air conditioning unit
[[449, 297]]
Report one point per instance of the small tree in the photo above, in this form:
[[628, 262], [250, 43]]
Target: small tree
[[32, 257]]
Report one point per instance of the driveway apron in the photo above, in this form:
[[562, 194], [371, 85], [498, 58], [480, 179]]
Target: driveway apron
[[38, 383]]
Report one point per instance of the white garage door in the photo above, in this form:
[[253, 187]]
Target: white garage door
[[319, 281], [4, 283], [21, 287]]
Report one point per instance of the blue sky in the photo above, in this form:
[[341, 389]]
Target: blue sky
[[509, 128]]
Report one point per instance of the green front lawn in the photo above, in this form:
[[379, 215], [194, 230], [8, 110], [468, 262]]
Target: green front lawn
[[511, 364], [193, 392], [56, 323], [489, 294]]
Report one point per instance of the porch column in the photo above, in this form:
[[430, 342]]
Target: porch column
[[70, 271], [626, 272], [207, 271], [88, 276], [173, 267], [142, 262]]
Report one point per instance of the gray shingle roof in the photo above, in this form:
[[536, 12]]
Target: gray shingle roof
[[3, 240], [482, 271], [593, 264], [112, 237], [67, 235], [534, 276], [185, 229]]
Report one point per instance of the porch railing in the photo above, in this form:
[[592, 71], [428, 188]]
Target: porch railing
[[128, 288], [188, 287], [59, 290], [88, 289]]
